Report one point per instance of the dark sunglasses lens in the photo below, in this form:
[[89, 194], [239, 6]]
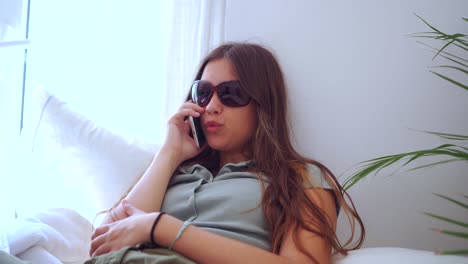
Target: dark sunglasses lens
[[201, 93], [231, 94]]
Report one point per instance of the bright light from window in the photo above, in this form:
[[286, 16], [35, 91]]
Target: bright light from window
[[104, 58]]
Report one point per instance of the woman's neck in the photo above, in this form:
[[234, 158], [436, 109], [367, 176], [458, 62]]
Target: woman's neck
[[226, 157]]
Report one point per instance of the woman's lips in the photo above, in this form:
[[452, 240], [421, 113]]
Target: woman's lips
[[212, 126]]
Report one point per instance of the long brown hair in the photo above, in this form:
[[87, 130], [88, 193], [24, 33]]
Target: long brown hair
[[284, 200]]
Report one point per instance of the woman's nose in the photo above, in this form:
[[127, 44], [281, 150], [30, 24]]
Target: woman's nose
[[214, 106]]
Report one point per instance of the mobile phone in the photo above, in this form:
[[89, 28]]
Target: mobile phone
[[196, 131]]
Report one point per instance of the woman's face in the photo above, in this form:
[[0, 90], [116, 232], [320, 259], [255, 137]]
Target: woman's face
[[227, 129]]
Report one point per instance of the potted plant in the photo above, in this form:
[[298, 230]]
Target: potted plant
[[453, 151]]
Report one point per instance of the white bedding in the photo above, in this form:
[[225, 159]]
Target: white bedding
[[58, 236], [394, 255], [52, 236], [4, 240], [63, 235]]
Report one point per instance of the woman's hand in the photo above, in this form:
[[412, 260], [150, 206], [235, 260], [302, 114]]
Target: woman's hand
[[118, 213], [177, 138], [129, 231]]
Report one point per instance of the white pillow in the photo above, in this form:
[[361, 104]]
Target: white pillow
[[75, 163], [392, 255]]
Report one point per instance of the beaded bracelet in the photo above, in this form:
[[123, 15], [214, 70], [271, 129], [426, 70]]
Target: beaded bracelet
[[158, 217], [179, 234]]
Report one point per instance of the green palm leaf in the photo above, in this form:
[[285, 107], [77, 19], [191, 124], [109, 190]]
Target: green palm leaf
[[453, 252], [443, 53], [429, 25], [374, 166], [449, 220], [452, 200], [451, 80], [465, 48], [457, 39], [453, 60], [452, 233], [445, 46], [446, 135], [434, 164], [451, 67]]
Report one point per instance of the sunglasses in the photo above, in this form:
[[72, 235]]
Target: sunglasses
[[229, 93]]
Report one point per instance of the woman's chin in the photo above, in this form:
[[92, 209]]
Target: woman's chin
[[217, 145]]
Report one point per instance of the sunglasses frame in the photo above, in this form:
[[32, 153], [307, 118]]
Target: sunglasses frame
[[214, 89]]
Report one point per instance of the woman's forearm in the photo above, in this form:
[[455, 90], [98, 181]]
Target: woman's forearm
[[205, 247], [148, 193]]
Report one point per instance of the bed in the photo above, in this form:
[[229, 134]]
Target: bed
[[52, 229]]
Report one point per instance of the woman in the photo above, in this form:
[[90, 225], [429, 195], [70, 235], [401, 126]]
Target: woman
[[246, 196]]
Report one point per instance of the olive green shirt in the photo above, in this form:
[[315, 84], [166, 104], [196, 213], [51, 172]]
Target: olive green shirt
[[228, 204]]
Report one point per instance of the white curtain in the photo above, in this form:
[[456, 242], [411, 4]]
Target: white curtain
[[197, 27], [136, 58], [104, 58], [125, 64]]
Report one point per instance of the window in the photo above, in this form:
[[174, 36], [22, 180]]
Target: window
[[108, 60], [105, 59], [13, 43]]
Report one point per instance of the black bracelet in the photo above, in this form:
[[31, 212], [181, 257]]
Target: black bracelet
[[154, 227]]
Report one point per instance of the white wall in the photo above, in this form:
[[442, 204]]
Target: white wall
[[358, 85]]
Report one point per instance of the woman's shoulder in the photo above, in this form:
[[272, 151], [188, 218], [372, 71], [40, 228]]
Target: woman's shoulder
[[314, 177]]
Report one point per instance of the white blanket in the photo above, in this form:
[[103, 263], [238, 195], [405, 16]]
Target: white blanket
[[393, 255], [4, 246], [52, 236], [64, 236]]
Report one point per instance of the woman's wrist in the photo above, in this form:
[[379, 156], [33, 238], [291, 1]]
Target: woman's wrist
[[146, 226], [172, 157], [111, 216], [153, 227], [166, 230]]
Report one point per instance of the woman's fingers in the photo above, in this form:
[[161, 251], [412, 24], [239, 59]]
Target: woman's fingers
[[177, 135], [189, 108], [184, 112], [96, 242], [103, 249], [127, 232], [190, 104], [99, 231]]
